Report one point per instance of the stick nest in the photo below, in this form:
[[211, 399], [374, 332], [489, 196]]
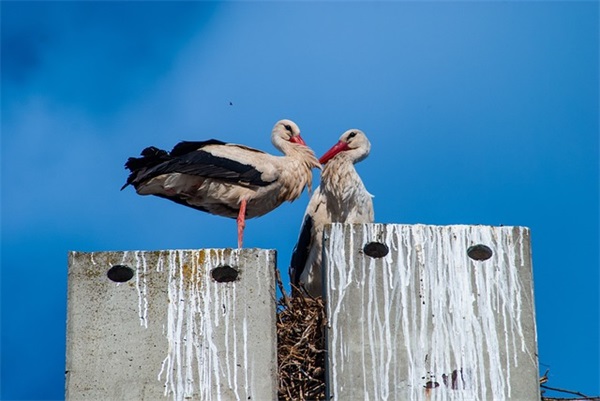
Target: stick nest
[[300, 347]]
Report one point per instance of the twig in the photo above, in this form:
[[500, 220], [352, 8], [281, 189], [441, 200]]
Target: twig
[[571, 399], [544, 378], [568, 392], [284, 295]]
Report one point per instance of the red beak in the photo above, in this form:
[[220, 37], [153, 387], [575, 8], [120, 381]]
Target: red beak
[[337, 148], [298, 139]]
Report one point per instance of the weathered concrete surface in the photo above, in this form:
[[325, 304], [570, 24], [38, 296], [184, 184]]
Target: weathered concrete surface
[[427, 322], [172, 331]]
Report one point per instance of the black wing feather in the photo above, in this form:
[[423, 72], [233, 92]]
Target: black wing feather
[[151, 157], [185, 147], [188, 158], [301, 250]]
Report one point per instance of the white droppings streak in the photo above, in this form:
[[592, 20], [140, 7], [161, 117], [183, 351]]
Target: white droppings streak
[[197, 365], [141, 288], [429, 316], [338, 282]]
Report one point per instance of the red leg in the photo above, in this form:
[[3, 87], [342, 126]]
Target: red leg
[[241, 222]]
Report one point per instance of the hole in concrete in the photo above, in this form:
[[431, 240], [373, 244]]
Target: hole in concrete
[[376, 249], [120, 273], [479, 252], [432, 384], [224, 274]]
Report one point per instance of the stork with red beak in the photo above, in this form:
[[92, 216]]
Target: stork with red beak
[[341, 198], [226, 179]]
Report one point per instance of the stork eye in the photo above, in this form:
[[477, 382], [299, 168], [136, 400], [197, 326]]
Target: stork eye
[[352, 135], [288, 127]]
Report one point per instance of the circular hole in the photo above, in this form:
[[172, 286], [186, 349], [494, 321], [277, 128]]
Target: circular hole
[[224, 274], [120, 273], [479, 252], [376, 249], [432, 384]]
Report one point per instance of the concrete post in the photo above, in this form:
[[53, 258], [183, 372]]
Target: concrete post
[[421, 312], [159, 326]]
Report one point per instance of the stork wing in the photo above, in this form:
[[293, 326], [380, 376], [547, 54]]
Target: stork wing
[[315, 217], [301, 250], [195, 158]]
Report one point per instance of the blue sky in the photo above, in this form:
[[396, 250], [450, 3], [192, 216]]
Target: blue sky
[[478, 113]]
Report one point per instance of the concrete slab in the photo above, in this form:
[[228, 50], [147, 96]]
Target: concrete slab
[[170, 330], [435, 313]]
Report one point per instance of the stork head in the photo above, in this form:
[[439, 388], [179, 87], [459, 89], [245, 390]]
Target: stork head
[[353, 143], [286, 130]]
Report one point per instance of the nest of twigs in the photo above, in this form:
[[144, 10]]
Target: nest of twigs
[[300, 347]]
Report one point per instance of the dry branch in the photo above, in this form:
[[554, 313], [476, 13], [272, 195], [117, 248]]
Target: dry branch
[[544, 386]]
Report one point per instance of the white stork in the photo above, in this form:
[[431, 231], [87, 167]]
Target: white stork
[[227, 179], [341, 198]]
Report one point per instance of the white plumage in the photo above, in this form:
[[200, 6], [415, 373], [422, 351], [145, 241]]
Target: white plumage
[[341, 198]]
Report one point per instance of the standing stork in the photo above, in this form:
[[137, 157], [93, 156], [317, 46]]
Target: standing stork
[[341, 198], [226, 179]]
